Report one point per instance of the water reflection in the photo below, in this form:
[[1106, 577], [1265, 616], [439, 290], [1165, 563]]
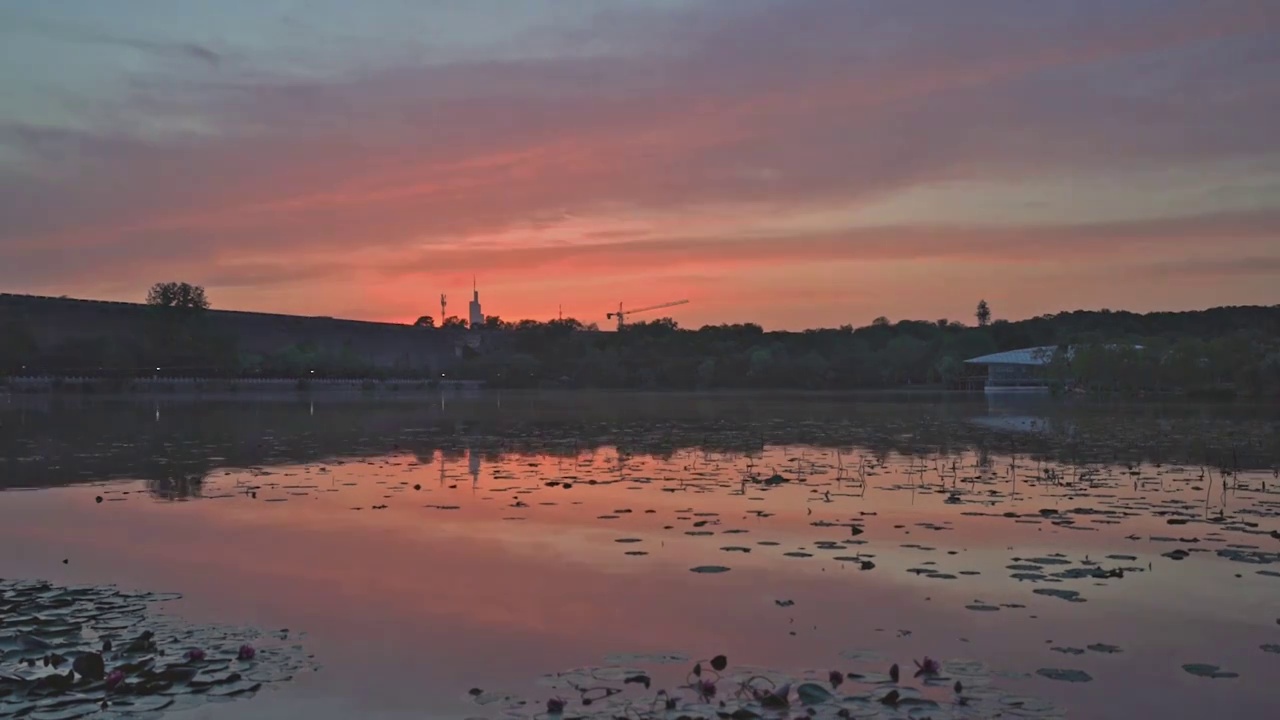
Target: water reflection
[[371, 526], [176, 487], [60, 441], [1024, 415]]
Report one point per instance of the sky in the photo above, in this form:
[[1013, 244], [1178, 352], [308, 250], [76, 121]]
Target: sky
[[793, 163]]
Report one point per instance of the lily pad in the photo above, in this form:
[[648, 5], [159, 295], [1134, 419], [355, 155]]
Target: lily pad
[[813, 694], [647, 659], [1105, 648], [1209, 671], [747, 693], [1068, 595], [1075, 676], [862, 656], [96, 632]]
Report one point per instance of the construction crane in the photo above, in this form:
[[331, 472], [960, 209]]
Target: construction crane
[[622, 314]]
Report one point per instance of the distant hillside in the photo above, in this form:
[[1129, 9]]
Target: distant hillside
[[65, 336]]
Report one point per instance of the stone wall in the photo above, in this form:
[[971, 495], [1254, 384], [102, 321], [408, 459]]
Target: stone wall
[[54, 321]]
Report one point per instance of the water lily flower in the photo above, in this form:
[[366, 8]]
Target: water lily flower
[[195, 655], [114, 678], [775, 699], [555, 705], [246, 652], [706, 688], [928, 666], [836, 677]]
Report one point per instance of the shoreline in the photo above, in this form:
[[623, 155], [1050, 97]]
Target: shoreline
[[377, 389], [219, 386]]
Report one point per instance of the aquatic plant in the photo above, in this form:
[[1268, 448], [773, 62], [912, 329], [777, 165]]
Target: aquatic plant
[[928, 666], [712, 692], [1224, 515], [69, 652]]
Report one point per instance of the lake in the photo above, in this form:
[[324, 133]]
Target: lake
[[478, 555]]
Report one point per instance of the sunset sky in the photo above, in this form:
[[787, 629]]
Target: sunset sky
[[794, 163]]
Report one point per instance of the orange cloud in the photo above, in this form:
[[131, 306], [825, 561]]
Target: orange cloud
[[384, 186]]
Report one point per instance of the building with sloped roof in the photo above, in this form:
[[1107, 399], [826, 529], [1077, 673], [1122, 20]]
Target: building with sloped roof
[[1022, 370], [1026, 370]]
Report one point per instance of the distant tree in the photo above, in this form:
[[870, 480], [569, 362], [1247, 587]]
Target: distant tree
[[983, 313], [706, 372], [179, 295], [1217, 352], [493, 322], [568, 323], [949, 369], [652, 328], [453, 321], [425, 321]]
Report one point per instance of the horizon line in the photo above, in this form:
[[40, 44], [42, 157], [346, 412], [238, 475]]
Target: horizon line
[[1100, 311]]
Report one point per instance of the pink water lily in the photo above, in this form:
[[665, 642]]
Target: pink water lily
[[195, 655], [114, 678], [928, 666], [246, 652], [706, 688], [555, 705], [776, 698]]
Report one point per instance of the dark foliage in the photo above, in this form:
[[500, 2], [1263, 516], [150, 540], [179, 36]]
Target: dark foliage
[[1231, 347], [178, 295], [1229, 350]]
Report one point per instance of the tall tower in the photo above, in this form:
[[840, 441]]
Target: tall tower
[[444, 305], [477, 315]]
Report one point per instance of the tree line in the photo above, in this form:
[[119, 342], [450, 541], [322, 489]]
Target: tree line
[[1227, 350], [1230, 350]]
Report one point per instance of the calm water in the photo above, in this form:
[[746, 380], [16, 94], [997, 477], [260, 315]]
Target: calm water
[[426, 546]]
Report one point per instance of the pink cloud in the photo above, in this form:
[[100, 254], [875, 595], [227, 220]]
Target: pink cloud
[[402, 175]]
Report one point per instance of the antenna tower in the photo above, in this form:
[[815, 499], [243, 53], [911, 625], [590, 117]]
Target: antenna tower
[[444, 304]]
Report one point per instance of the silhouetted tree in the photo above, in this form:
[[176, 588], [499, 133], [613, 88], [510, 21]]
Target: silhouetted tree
[[983, 313], [425, 321], [179, 295]]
